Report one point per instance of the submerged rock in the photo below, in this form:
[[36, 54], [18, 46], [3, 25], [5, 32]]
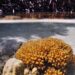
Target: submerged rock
[[16, 67], [13, 67], [7, 50], [9, 47], [71, 67], [26, 71], [35, 71]]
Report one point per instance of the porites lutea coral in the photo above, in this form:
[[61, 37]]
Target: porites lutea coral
[[45, 51]]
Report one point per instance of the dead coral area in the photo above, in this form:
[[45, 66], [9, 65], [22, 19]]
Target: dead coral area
[[44, 53]]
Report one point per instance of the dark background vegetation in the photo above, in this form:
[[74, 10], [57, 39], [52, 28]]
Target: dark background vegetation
[[65, 8]]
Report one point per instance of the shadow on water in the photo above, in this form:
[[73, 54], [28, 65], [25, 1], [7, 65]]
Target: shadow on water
[[26, 30]]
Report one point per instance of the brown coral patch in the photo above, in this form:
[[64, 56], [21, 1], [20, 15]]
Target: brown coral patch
[[45, 51]]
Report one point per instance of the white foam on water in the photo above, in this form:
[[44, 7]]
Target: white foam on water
[[35, 37], [38, 20], [69, 38], [18, 39]]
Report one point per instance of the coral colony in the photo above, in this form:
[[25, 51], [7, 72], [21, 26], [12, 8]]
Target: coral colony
[[50, 56]]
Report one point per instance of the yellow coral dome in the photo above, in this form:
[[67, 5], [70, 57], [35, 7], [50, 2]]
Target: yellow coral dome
[[45, 51]]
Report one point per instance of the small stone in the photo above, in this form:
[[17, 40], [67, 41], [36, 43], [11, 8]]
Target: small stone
[[26, 71], [13, 67], [34, 71]]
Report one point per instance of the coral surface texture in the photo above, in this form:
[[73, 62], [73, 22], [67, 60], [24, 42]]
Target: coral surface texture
[[50, 55]]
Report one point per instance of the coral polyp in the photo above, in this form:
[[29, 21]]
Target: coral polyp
[[53, 71], [45, 52]]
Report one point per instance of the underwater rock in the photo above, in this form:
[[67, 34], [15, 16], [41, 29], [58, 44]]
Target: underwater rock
[[13, 67], [7, 50], [9, 47], [27, 71], [71, 67], [35, 71]]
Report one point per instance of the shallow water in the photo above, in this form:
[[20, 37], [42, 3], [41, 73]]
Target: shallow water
[[11, 35], [24, 31]]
